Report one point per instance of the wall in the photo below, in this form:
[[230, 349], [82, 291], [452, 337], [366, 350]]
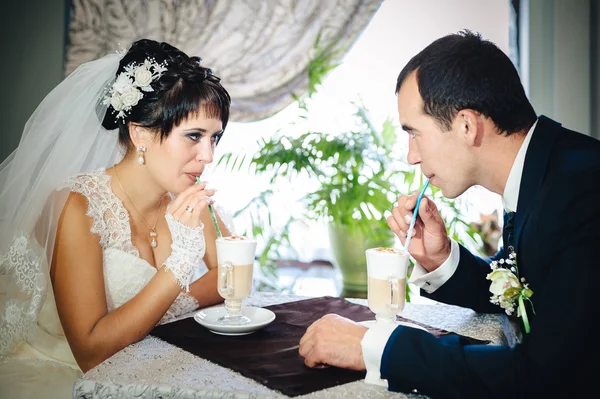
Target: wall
[[558, 67], [33, 33], [400, 30]]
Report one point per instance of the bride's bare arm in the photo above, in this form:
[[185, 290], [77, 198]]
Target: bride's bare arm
[[93, 333]]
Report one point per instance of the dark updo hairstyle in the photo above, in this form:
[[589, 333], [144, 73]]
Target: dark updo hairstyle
[[183, 89]]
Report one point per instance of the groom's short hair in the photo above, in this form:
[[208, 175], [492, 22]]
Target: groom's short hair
[[464, 71]]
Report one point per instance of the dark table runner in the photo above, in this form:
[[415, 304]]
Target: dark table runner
[[270, 355]]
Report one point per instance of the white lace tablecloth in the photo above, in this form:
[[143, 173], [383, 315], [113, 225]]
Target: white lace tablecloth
[[153, 368]]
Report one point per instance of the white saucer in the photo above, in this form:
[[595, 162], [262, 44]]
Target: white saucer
[[371, 323], [259, 317]]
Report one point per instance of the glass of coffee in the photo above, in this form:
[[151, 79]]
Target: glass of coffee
[[386, 292], [235, 255]]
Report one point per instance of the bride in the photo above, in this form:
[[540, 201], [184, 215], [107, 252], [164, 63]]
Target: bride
[[104, 220]]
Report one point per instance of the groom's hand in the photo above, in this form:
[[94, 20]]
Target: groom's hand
[[335, 341], [430, 245]]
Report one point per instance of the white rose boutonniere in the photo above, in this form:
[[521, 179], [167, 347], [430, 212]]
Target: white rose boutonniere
[[508, 289]]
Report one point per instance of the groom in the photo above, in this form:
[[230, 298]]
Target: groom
[[470, 123]]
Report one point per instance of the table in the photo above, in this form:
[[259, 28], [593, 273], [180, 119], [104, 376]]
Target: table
[[153, 368]]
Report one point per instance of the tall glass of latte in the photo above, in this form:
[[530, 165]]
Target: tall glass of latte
[[386, 292], [235, 255]]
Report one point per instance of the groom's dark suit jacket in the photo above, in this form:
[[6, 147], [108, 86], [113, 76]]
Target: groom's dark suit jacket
[[556, 239]]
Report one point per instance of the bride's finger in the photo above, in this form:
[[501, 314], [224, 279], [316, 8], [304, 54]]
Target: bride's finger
[[190, 212], [185, 209], [199, 208], [192, 216], [184, 196], [203, 202], [193, 211], [182, 213], [185, 215], [204, 195]]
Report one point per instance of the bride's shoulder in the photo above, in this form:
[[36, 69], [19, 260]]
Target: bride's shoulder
[[87, 183], [87, 195], [89, 192]]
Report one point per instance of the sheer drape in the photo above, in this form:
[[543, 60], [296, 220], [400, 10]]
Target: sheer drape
[[261, 49]]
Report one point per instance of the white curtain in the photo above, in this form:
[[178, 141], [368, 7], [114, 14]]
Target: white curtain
[[260, 49]]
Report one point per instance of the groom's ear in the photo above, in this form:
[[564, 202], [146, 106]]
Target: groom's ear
[[470, 126]]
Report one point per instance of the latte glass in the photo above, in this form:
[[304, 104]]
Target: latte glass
[[386, 270], [235, 255]]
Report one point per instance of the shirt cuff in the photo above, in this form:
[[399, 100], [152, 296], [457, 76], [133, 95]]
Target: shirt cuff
[[373, 344], [431, 281]]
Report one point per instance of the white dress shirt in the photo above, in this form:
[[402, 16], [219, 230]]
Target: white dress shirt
[[375, 339]]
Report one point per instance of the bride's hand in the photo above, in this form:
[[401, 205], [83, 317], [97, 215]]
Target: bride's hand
[[189, 205], [187, 232]]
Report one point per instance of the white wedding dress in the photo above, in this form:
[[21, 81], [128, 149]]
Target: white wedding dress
[[44, 367]]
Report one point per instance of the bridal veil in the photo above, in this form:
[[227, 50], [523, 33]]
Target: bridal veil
[[62, 138]]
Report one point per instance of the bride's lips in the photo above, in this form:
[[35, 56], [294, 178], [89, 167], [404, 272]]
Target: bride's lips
[[192, 176]]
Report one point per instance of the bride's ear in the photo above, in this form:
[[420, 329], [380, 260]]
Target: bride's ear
[[138, 135]]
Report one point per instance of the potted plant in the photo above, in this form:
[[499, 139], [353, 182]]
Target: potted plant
[[360, 172], [356, 171]]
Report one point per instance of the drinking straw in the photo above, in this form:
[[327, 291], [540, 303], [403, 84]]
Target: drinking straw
[[212, 213], [411, 227]]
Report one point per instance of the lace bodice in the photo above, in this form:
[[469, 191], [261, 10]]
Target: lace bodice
[[125, 273]]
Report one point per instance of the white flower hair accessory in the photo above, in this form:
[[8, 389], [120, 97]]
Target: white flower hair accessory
[[508, 289], [130, 85]]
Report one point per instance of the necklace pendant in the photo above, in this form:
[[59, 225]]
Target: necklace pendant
[[153, 236]]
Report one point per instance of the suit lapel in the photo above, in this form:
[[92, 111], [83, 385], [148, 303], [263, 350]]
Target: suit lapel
[[534, 171]]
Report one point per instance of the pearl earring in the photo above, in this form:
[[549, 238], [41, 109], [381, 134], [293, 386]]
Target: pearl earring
[[140, 158]]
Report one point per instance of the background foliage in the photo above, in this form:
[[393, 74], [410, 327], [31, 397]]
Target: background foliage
[[360, 173]]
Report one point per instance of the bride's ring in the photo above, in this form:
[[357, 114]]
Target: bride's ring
[[189, 209]]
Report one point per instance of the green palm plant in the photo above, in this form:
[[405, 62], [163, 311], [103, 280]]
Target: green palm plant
[[354, 169], [356, 173]]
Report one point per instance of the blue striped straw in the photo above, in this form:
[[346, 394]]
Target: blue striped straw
[[411, 227]]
